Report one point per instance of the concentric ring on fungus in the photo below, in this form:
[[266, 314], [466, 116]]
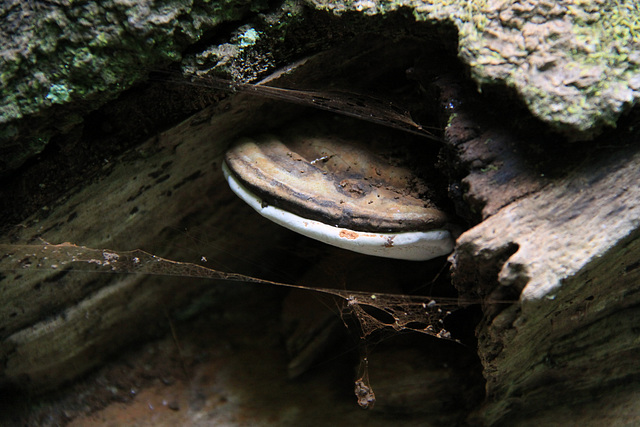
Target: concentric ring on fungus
[[345, 193]]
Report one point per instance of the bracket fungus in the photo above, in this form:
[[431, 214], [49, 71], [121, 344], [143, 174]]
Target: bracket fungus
[[357, 196]]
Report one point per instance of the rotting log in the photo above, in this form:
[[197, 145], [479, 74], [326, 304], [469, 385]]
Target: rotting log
[[559, 227], [155, 197], [163, 197], [557, 223]]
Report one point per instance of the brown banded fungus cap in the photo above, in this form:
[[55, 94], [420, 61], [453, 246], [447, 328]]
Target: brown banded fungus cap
[[349, 194]]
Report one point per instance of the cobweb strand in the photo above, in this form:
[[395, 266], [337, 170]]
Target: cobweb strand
[[402, 312]]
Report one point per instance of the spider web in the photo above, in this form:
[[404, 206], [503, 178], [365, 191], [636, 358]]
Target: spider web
[[372, 311], [360, 106]]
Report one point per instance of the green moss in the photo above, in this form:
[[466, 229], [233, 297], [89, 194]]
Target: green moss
[[59, 94], [248, 38], [451, 119], [606, 36], [86, 52], [93, 51], [490, 168]]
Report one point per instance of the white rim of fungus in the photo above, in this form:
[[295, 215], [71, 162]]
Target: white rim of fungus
[[413, 246]]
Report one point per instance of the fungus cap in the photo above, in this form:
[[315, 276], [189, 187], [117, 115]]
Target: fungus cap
[[343, 193]]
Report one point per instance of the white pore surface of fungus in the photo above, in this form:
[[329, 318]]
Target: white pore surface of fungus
[[413, 246]]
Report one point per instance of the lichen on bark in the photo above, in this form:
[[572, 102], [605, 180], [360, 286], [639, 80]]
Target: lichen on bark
[[84, 53], [575, 64]]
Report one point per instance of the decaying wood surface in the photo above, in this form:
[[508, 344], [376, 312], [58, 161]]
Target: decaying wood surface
[[58, 324], [165, 197], [557, 227]]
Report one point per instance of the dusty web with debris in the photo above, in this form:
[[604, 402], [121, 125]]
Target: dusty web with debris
[[359, 106], [401, 312]]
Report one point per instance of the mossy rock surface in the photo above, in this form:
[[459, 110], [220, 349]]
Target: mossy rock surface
[[61, 60], [575, 64]]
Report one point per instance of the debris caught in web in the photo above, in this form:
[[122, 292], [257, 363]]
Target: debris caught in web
[[372, 311], [360, 106], [363, 390], [416, 313]]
